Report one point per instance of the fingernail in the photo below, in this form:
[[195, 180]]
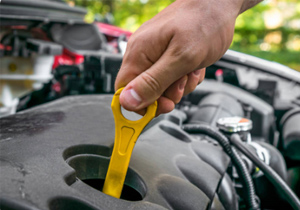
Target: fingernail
[[182, 84], [197, 72], [131, 97]]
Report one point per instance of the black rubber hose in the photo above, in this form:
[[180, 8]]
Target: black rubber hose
[[271, 175], [250, 196]]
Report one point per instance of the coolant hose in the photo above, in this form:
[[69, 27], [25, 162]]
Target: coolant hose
[[250, 196], [271, 175]]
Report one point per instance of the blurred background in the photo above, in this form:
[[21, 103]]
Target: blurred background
[[271, 30]]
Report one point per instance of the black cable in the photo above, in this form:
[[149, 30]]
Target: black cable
[[250, 196], [271, 175]]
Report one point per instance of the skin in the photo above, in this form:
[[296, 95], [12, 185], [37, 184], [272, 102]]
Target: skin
[[166, 57]]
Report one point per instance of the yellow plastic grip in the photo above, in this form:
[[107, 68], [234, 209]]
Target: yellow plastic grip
[[126, 134]]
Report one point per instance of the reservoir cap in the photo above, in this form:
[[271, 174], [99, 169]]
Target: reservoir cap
[[234, 124]]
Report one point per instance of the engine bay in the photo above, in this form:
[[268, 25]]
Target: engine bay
[[55, 156], [233, 143]]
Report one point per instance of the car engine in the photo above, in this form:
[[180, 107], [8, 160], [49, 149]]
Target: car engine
[[233, 143]]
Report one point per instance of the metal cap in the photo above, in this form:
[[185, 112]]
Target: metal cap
[[234, 124]]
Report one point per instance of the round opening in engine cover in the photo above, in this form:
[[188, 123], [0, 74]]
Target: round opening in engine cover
[[234, 124], [90, 163]]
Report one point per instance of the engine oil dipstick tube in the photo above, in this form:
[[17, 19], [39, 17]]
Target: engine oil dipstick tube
[[126, 135]]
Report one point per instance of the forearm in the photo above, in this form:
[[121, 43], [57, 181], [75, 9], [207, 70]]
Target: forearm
[[238, 6]]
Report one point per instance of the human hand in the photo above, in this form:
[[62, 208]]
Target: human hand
[[166, 57]]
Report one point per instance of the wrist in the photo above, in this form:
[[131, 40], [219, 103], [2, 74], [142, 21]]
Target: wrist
[[248, 4]]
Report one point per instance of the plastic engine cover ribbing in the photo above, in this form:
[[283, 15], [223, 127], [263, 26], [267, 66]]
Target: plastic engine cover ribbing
[[47, 153]]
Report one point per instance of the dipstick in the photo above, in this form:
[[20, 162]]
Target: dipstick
[[126, 134]]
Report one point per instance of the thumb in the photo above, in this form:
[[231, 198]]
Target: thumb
[[149, 86]]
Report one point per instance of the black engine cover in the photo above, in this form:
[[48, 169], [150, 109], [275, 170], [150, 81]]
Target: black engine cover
[[55, 156]]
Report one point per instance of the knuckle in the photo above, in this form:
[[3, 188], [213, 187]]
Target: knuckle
[[176, 29], [130, 41], [152, 82], [177, 100], [186, 55], [189, 88], [134, 41], [200, 80], [136, 44]]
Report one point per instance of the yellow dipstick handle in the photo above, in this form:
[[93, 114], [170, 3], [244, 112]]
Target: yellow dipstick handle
[[126, 134]]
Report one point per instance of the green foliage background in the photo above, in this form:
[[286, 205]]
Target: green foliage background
[[253, 35]]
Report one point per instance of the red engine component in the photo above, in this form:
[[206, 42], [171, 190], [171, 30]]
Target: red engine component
[[67, 58], [112, 32]]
